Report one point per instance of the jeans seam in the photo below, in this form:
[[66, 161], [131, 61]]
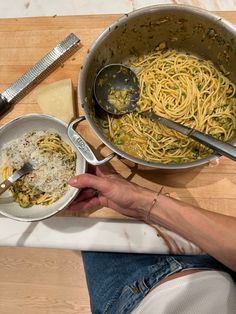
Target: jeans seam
[[124, 299], [143, 283], [110, 303], [130, 301]]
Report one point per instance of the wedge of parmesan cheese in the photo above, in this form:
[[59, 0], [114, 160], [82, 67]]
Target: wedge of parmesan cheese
[[57, 99]]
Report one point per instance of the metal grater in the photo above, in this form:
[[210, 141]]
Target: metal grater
[[38, 71]]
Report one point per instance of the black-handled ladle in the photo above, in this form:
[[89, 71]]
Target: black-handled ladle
[[116, 89]]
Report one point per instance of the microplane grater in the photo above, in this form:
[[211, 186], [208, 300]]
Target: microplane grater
[[37, 72]]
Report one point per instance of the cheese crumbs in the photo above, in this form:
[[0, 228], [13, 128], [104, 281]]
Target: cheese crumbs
[[55, 165]]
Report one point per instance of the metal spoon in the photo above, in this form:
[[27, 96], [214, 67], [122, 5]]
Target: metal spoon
[[117, 79]]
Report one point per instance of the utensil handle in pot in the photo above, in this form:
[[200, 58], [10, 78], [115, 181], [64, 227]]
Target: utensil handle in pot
[[82, 145], [223, 148]]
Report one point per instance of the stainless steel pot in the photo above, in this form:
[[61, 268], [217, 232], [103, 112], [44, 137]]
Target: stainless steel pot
[[186, 28]]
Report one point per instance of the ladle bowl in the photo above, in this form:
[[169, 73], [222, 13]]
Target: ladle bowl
[[116, 89]]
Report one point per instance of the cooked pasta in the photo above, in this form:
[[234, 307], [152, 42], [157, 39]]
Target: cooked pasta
[[55, 164], [185, 89]]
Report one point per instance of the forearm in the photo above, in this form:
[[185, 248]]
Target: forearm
[[212, 232]]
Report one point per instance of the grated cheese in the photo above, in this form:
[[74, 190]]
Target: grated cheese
[[52, 168]]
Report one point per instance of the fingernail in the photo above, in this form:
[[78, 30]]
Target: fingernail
[[72, 181]]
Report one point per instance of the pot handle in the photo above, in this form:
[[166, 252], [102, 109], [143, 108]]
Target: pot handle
[[82, 146]]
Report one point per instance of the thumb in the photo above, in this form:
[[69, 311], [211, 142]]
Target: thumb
[[90, 181]]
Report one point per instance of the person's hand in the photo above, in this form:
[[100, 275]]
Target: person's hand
[[104, 187], [202, 227]]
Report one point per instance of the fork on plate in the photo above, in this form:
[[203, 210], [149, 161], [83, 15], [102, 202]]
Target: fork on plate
[[26, 168]]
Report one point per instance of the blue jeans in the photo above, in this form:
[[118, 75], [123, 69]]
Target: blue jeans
[[118, 282]]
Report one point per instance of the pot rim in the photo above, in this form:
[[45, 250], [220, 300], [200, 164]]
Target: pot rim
[[81, 80]]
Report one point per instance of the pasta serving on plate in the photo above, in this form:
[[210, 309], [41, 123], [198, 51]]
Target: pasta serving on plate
[[55, 164], [185, 89]]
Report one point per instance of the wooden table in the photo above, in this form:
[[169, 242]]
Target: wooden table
[[24, 41]]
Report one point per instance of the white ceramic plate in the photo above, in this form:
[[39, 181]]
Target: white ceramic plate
[[15, 129]]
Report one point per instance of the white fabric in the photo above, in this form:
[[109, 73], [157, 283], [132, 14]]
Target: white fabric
[[206, 292]]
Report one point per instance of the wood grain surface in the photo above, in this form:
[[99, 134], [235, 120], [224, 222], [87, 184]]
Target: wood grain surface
[[40, 281], [24, 41]]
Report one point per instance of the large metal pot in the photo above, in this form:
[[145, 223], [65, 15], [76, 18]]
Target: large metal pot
[[182, 27]]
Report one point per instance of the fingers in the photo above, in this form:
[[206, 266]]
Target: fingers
[[84, 205], [85, 194], [90, 181]]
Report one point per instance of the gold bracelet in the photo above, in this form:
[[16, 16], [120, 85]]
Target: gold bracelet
[[153, 203]]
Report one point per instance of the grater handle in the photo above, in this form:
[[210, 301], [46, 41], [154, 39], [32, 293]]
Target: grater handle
[[4, 105]]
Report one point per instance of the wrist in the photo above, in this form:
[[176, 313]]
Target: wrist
[[146, 201], [167, 211], [155, 207]]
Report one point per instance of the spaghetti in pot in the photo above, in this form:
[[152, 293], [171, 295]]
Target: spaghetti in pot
[[55, 164], [185, 89]]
